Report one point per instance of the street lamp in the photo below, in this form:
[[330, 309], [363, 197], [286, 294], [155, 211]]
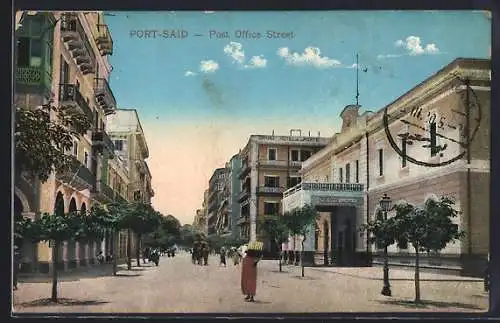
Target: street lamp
[[386, 206]]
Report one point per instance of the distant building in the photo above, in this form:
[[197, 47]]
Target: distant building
[[216, 197], [235, 210], [270, 165]]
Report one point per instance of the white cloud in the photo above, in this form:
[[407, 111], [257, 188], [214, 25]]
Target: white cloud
[[189, 73], [310, 56], [257, 62], [413, 45], [209, 66], [235, 50], [381, 56]]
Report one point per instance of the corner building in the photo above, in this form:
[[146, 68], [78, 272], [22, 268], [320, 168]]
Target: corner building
[[362, 153]]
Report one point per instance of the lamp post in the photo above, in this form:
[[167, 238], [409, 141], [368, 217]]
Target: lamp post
[[386, 205]]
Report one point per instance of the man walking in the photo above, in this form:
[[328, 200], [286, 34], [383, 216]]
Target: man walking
[[17, 264], [223, 256]]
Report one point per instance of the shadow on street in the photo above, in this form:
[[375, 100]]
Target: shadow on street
[[61, 301], [126, 275], [430, 304]]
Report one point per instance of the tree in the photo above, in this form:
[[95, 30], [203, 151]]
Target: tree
[[144, 220], [427, 228], [276, 229], [55, 229], [121, 216], [43, 135], [299, 222]]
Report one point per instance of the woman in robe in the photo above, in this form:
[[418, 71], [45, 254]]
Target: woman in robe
[[249, 273]]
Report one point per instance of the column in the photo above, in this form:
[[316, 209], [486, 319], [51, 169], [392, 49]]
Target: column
[[94, 251], [77, 254], [65, 255], [87, 254]]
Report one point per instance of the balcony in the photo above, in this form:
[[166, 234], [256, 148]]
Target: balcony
[[74, 36], [273, 163], [104, 96], [295, 163], [69, 95], [269, 190], [244, 219], [104, 193], [244, 194], [100, 140], [36, 78], [244, 171], [78, 176], [324, 195], [103, 40]]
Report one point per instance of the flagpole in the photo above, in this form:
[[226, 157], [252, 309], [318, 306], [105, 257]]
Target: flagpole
[[357, 79]]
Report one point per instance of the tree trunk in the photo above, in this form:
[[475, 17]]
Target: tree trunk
[[55, 254], [280, 255], [138, 250], [115, 256], [302, 256], [417, 276], [129, 249]]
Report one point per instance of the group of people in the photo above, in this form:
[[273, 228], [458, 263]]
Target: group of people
[[200, 252], [232, 253]]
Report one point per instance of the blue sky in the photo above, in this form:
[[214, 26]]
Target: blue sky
[[244, 84]]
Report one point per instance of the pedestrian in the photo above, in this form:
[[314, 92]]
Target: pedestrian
[[16, 266], [100, 257], [205, 251], [235, 255], [223, 256], [249, 270]]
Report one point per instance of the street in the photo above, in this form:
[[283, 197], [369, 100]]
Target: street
[[178, 286]]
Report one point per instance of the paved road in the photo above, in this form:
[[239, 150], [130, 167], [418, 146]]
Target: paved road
[[177, 286]]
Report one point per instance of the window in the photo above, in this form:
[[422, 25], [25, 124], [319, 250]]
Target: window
[[271, 154], [304, 154], [357, 171], [23, 52], [119, 145], [403, 151], [271, 181], [292, 181], [433, 144], [86, 159], [36, 53], [64, 71], [271, 208], [381, 162], [294, 155], [341, 175], [75, 149], [348, 173]]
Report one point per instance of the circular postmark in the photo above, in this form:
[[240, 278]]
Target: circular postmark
[[434, 136]]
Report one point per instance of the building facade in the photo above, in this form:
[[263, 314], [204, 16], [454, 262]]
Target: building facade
[[200, 221], [61, 58], [216, 186], [224, 209], [235, 214], [420, 152], [270, 165]]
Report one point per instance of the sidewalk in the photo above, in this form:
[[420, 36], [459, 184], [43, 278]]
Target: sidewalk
[[376, 273]]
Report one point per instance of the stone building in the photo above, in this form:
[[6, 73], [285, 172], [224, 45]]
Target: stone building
[[419, 152], [61, 57], [270, 165], [235, 210]]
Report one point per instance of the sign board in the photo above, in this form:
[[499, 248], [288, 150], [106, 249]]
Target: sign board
[[333, 201]]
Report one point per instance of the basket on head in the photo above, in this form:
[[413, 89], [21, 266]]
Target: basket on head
[[256, 246]]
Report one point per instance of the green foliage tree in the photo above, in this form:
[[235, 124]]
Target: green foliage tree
[[42, 136], [144, 220], [276, 229], [55, 229], [121, 217], [427, 228], [300, 222], [381, 232]]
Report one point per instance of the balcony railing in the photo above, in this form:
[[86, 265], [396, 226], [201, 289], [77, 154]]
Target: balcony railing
[[244, 170], [69, 94], [342, 187], [278, 163], [243, 195], [295, 163], [78, 176], [104, 96], [34, 76], [103, 40], [270, 190], [104, 192], [101, 139], [78, 43]]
